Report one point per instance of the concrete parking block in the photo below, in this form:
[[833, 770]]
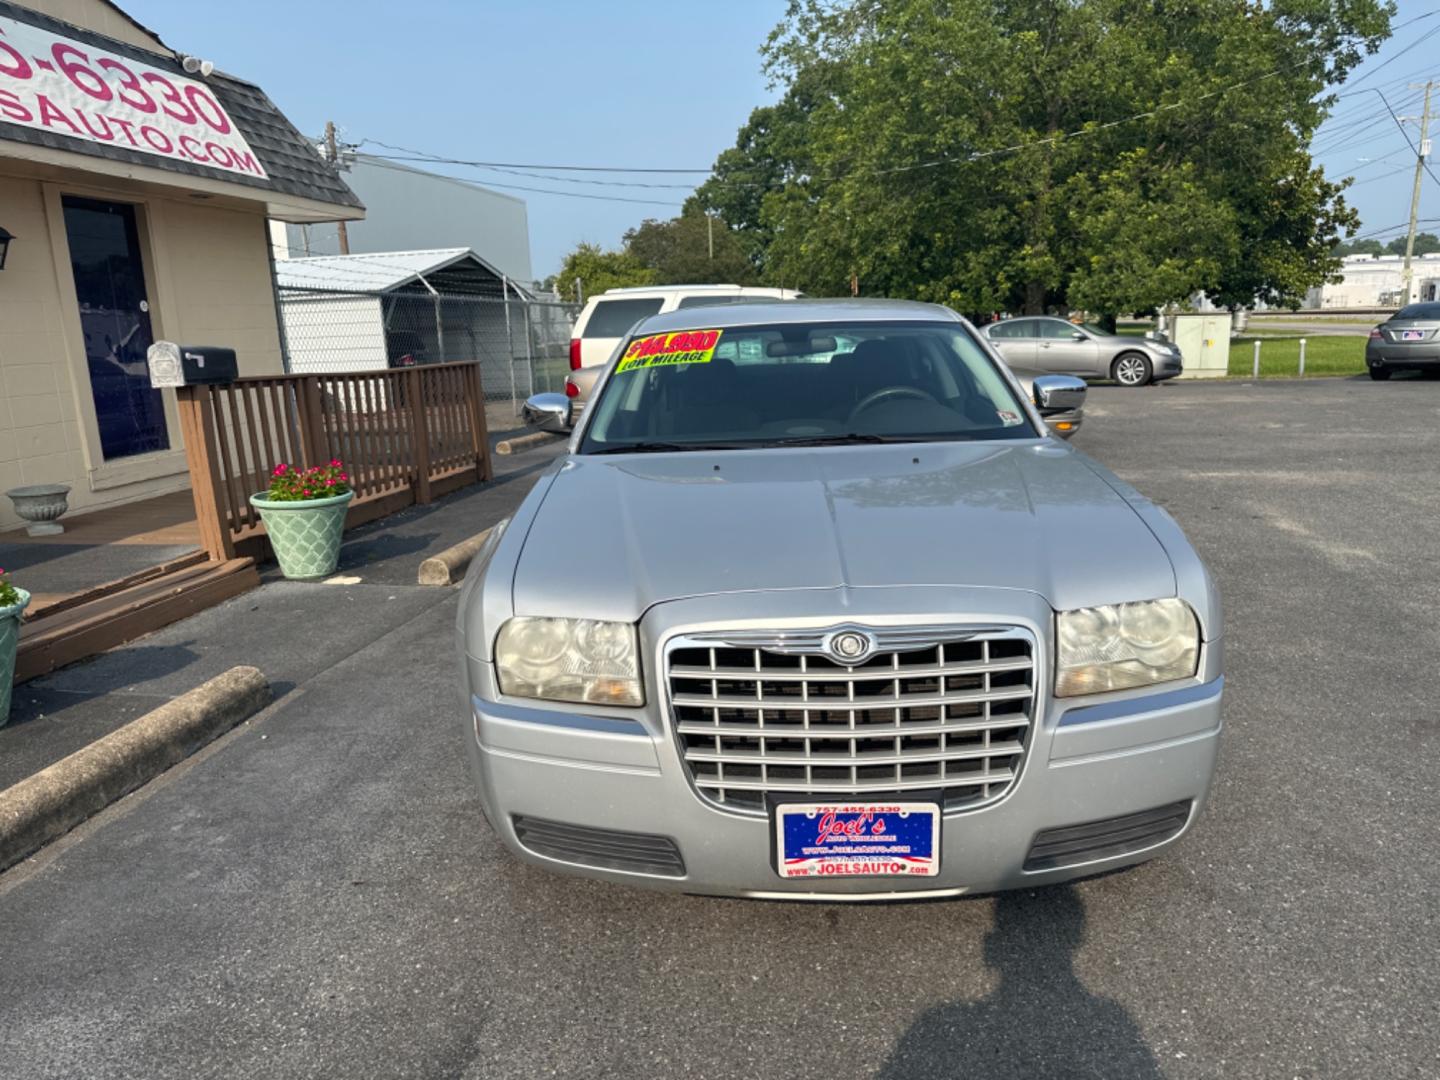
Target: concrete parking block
[[450, 565], [49, 804]]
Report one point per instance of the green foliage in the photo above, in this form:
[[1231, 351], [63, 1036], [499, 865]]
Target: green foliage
[[8, 593], [289, 484], [598, 270], [1425, 244], [1358, 247], [674, 252], [690, 250], [987, 154]]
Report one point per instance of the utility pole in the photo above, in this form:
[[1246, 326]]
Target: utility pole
[[1408, 274], [334, 155], [710, 233]]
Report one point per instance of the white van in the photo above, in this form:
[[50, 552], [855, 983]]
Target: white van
[[607, 317]]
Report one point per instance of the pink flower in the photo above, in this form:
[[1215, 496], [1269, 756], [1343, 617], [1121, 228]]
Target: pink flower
[[279, 469], [307, 491], [343, 476], [335, 461]]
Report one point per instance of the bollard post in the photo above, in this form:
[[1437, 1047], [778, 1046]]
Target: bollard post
[[1302, 358], [1257, 358]]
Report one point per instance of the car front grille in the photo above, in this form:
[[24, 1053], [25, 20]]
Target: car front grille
[[942, 710]]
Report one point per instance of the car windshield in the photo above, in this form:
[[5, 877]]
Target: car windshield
[[751, 386]]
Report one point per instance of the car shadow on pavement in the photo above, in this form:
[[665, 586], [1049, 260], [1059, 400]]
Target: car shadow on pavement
[[1040, 1021]]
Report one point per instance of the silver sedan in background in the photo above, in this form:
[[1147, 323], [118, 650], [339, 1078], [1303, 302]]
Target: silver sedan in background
[[1051, 346]]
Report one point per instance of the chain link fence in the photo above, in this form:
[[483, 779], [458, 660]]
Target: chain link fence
[[522, 344]]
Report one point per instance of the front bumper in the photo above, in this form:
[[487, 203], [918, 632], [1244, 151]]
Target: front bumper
[[1090, 759], [1167, 367]]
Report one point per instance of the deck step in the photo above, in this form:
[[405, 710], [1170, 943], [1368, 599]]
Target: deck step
[[119, 611]]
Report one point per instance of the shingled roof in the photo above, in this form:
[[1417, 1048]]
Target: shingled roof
[[290, 160]]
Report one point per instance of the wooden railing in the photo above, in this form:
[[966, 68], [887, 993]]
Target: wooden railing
[[405, 436]]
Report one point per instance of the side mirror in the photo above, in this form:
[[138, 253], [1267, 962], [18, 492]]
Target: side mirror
[[1058, 393], [548, 412], [1078, 335]]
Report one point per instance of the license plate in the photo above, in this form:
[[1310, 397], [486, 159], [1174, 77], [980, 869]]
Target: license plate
[[899, 839], [1412, 335]]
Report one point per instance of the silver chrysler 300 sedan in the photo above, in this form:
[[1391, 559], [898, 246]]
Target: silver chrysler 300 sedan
[[814, 607]]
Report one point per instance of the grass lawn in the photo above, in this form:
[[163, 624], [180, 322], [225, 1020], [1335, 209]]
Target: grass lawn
[[1280, 356]]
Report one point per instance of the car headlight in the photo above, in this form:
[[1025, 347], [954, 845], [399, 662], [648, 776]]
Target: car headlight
[[581, 660], [1119, 646]]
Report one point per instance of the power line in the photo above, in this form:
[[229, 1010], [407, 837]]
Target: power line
[[550, 191], [513, 165], [1387, 62], [533, 175], [1408, 140]]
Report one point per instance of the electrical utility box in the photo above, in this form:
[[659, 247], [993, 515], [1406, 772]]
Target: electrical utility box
[[1204, 340]]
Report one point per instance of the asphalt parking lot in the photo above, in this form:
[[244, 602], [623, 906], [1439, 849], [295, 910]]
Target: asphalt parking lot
[[317, 895]]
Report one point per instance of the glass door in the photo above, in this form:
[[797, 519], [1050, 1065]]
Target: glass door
[[115, 319]]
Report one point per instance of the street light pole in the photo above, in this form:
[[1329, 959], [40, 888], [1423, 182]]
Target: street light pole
[[1408, 274]]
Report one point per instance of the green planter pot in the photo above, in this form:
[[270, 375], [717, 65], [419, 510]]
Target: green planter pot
[[306, 534], [9, 640]]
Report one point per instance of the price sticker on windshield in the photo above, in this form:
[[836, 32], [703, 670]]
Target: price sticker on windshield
[[664, 350]]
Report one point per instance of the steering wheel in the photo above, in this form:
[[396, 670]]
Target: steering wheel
[[890, 391]]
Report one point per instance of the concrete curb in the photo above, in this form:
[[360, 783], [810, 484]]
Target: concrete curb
[[450, 565], [44, 807], [525, 442]]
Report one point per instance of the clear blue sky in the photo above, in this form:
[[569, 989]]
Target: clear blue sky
[[628, 82], [622, 82]]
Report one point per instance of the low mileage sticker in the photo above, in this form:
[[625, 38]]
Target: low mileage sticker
[[662, 350]]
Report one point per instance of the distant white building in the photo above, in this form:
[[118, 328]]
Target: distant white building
[[412, 210], [1378, 281]]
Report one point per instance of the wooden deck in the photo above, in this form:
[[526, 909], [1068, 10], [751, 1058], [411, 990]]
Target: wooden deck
[[164, 576], [82, 626], [165, 519]]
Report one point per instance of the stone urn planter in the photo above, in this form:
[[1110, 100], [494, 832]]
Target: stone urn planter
[[41, 504], [10, 616]]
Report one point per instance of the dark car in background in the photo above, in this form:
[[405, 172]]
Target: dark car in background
[[1407, 341]]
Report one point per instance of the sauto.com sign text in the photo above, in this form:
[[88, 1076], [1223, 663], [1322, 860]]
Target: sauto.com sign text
[[69, 87]]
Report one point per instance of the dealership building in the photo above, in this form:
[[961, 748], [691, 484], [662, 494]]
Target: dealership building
[[135, 188]]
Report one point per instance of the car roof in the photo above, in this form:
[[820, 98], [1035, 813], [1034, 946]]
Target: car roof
[[631, 289], [730, 316], [666, 290]]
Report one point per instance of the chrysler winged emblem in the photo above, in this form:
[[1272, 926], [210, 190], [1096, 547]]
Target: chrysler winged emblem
[[849, 647]]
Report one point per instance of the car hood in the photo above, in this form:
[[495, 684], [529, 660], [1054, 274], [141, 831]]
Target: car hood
[[616, 535]]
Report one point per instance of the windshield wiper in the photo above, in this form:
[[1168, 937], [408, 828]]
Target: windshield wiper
[[849, 438], [671, 447]]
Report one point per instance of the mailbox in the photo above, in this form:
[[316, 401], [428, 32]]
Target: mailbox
[[190, 365]]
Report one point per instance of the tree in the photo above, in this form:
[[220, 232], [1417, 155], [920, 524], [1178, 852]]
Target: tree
[[690, 250], [996, 154], [1358, 247], [1425, 244], [598, 270]]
